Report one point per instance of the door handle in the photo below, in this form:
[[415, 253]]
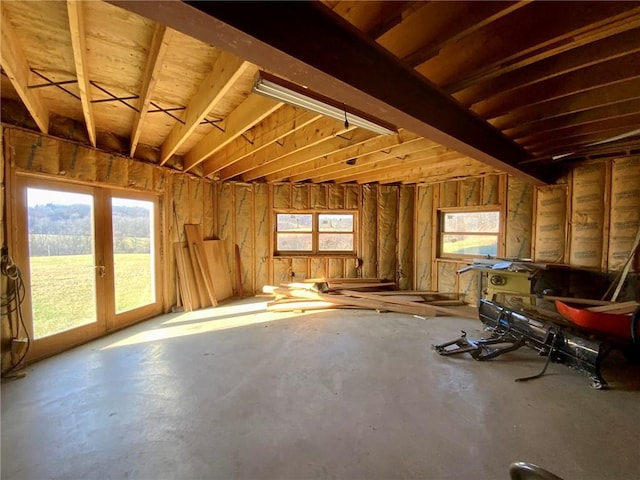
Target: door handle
[[101, 270]]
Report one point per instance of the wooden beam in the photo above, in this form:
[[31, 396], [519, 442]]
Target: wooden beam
[[276, 126], [16, 67], [310, 45], [75, 10], [250, 112], [300, 139], [327, 147], [578, 58], [606, 73], [600, 96], [157, 50], [226, 70]]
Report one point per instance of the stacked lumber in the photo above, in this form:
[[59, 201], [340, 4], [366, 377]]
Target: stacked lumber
[[318, 294], [203, 273], [364, 284]]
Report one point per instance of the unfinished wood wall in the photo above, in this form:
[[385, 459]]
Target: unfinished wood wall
[[514, 199], [592, 218], [245, 217], [183, 198]]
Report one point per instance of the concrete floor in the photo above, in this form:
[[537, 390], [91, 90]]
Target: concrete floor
[[236, 392]]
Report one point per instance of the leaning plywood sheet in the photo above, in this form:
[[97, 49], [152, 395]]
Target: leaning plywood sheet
[[186, 277], [199, 262], [587, 215], [625, 209], [551, 219], [221, 274]]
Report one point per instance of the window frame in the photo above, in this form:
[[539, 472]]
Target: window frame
[[315, 233], [479, 209]]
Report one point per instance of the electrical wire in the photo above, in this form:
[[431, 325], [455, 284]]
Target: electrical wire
[[11, 304]]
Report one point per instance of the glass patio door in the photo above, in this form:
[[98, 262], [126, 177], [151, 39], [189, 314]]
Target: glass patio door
[[88, 256]]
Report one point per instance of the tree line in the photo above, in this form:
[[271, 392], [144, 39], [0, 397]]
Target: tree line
[[67, 230]]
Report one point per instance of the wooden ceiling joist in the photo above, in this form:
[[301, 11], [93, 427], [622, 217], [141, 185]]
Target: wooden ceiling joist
[[339, 142], [366, 162], [75, 10], [249, 113], [585, 56], [306, 170], [305, 137], [586, 100], [226, 70], [601, 74], [310, 45], [278, 125], [159, 43], [16, 67]]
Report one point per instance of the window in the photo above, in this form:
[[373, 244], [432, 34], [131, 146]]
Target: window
[[315, 232], [469, 233]]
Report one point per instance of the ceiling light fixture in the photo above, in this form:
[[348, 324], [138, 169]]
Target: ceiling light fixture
[[292, 94]]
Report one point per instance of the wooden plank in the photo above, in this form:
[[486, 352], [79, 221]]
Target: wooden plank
[[186, 278], [622, 307], [418, 309], [196, 248], [225, 72], [155, 58], [219, 268], [301, 305], [252, 111], [435, 308], [75, 10], [16, 67]]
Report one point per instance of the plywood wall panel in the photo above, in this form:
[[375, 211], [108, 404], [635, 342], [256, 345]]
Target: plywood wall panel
[[518, 224], [625, 210], [587, 215], [422, 237], [387, 231]]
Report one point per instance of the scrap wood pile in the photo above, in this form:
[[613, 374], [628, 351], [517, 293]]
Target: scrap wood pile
[[372, 294], [203, 274]]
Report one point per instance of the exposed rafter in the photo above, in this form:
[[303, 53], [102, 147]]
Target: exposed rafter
[[226, 70], [17, 69], [308, 44], [283, 122], [157, 50], [75, 10], [249, 113]]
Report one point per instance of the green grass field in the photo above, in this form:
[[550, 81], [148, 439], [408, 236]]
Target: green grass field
[[63, 289]]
